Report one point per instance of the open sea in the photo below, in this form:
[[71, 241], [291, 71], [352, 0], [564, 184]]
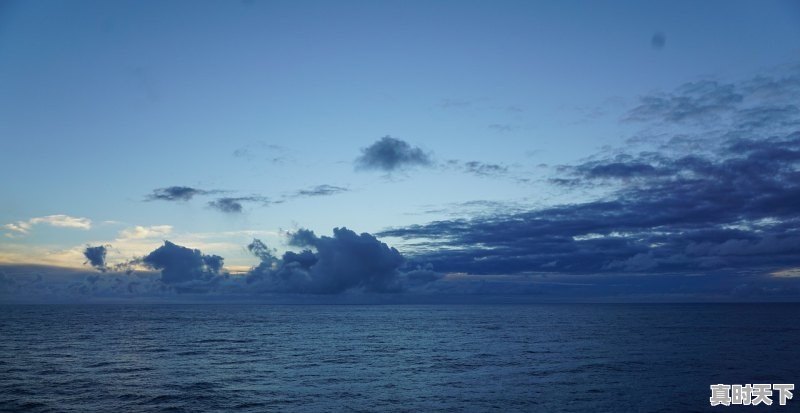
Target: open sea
[[403, 358]]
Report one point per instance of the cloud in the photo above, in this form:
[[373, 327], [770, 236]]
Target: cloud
[[621, 167], [96, 257], [233, 205], [692, 102], [477, 168], [391, 154], [768, 116], [43, 284], [144, 232], [236, 204], [683, 214], [60, 221], [188, 270], [713, 195], [177, 193], [321, 190], [764, 101], [330, 265], [484, 169], [345, 262], [63, 221], [230, 205]]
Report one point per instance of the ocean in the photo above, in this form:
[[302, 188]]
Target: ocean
[[398, 358]]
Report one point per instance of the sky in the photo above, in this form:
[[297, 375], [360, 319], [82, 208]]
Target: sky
[[398, 151]]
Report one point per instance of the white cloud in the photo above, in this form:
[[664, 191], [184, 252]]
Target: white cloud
[[141, 232], [65, 221], [20, 227], [60, 220], [787, 273]]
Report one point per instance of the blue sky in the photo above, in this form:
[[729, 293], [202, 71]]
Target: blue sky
[[103, 103]]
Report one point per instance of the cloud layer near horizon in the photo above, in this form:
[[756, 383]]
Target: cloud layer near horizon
[[329, 265], [344, 262], [720, 194], [710, 205]]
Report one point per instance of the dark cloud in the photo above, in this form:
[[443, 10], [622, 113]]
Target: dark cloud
[[261, 251], [184, 268], [391, 154], [484, 169], [43, 284], [717, 200], [622, 167], [746, 106], [228, 205], [732, 211], [768, 116], [783, 87], [304, 237], [658, 41], [330, 265], [177, 193], [695, 101], [321, 190], [477, 168], [96, 257], [233, 205]]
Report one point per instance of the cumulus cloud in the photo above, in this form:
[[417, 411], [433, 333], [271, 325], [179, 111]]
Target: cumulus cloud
[[61, 221], [177, 193], [184, 268], [329, 265], [390, 154], [96, 257], [326, 266], [715, 196]]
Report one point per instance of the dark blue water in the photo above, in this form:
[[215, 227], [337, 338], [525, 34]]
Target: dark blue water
[[255, 358]]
